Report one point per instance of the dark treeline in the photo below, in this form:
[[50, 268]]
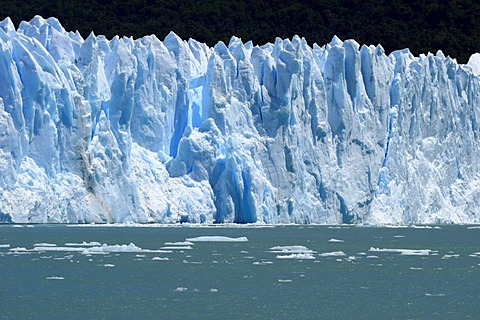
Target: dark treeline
[[421, 25]]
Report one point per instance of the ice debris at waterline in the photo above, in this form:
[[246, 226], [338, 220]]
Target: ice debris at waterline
[[124, 130]]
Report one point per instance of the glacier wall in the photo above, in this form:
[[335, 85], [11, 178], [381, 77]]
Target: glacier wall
[[145, 130]]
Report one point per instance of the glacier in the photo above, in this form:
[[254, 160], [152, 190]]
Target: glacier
[[149, 131]]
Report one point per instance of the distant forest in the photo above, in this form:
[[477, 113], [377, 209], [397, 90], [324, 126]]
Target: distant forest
[[421, 25]]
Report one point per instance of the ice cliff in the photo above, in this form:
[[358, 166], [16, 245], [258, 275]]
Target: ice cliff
[[145, 130]]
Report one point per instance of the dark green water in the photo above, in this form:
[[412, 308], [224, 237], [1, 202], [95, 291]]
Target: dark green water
[[242, 280]]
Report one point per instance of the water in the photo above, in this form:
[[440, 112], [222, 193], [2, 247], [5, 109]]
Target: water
[[242, 280]]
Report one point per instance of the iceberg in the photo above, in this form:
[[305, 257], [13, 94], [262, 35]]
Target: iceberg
[[127, 130]]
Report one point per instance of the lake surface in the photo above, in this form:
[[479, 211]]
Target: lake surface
[[282, 272]]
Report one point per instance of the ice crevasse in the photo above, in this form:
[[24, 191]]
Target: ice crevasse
[[144, 130]]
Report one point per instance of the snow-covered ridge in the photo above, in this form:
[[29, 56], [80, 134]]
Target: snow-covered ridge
[[144, 130]]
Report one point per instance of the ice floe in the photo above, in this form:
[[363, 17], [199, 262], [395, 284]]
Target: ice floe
[[176, 248], [18, 249], [335, 240], [54, 248], [44, 245], [83, 244], [217, 239], [300, 256], [120, 248], [291, 249], [179, 243], [55, 278], [448, 256], [333, 254], [406, 252]]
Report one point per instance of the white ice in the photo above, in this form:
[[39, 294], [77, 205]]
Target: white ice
[[176, 248], [162, 131], [411, 252], [217, 239], [62, 249], [179, 243], [301, 256], [333, 254], [291, 249], [83, 244], [160, 259]]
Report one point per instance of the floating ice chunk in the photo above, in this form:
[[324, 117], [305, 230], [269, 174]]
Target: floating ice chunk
[[83, 244], [176, 248], [109, 265], [217, 239], [180, 289], [372, 257], [426, 227], [332, 254], [4, 246], [55, 278], [180, 243], [335, 240], [405, 252], [115, 248], [66, 249], [415, 252], [118, 248], [44, 245], [415, 268], [301, 256], [291, 249], [19, 249], [448, 256], [474, 227], [399, 236], [191, 262], [213, 290], [435, 294], [284, 280], [160, 259]]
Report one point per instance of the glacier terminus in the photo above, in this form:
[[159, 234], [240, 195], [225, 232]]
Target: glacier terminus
[[150, 131]]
